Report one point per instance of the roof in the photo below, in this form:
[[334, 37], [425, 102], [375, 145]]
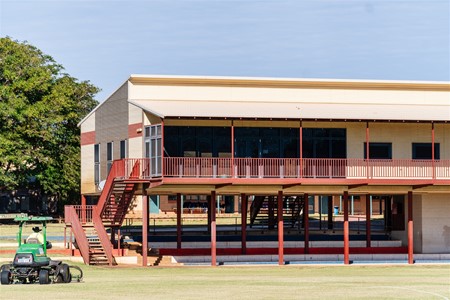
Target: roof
[[290, 98]]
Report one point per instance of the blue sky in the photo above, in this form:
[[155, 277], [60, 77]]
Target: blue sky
[[106, 41]]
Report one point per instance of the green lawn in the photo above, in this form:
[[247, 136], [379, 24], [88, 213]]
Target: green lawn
[[249, 282]]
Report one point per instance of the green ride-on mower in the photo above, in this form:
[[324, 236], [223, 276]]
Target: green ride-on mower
[[31, 263]]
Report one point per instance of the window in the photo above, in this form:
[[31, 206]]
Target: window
[[123, 149], [109, 156], [324, 143], [378, 150], [153, 140], [197, 141], [97, 164], [423, 151]]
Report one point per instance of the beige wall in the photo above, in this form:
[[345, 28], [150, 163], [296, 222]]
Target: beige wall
[[281, 101], [87, 169], [313, 95], [87, 158], [435, 223], [111, 125]]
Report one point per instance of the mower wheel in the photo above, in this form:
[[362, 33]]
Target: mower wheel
[[65, 272], [6, 277], [43, 277]]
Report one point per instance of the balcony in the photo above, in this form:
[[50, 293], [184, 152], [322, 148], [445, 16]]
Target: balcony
[[285, 168]]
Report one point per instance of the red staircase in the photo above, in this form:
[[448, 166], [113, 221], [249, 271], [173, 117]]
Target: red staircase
[[263, 210], [88, 223]]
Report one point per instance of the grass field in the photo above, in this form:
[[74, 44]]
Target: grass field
[[248, 282]]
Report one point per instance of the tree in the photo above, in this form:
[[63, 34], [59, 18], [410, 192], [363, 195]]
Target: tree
[[40, 107]]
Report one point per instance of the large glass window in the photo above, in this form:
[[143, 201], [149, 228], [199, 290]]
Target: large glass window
[[153, 147], [196, 141], [378, 150], [289, 142], [324, 143], [424, 150], [97, 164]]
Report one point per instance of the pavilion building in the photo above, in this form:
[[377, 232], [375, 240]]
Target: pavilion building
[[290, 147]]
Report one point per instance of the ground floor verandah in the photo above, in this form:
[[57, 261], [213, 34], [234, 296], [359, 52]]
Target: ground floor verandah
[[305, 243]]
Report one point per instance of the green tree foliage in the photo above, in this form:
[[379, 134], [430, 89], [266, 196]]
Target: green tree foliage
[[40, 107]]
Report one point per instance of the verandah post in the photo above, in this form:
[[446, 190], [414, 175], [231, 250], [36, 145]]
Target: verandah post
[[244, 199], [346, 231], [213, 229], [145, 220], [410, 229], [179, 209], [280, 228]]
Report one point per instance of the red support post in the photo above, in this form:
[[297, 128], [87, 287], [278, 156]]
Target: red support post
[[367, 148], [368, 223], [232, 149], [179, 209], [432, 150], [145, 218], [280, 228], [162, 148], [306, 222], [213, 229], [346, 231], [301, 149], [410, 229], [83, 209], [244, 199]]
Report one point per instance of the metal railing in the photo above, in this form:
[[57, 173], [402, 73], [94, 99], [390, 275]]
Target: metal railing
[[199, 167]]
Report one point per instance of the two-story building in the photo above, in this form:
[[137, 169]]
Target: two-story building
[[291, 146]]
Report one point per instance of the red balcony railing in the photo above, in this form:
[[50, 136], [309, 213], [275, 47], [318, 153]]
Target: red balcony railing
[[199, 167]]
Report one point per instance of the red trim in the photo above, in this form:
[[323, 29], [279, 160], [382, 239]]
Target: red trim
[[87, 138], [297, 181], [274, 251], [135, 130]]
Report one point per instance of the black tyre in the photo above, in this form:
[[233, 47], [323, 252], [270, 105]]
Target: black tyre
[[43, 277], [6, 277], [59, 279], [5, 267], [64, 271]]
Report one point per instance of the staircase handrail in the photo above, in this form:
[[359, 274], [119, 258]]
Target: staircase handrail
[[72, 217], [103, 235], [117, 170], [256, 207]]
